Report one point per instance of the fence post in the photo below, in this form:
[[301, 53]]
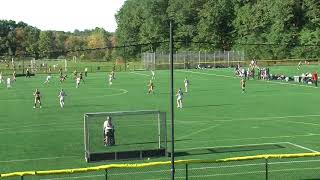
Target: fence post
[[22, 177], [199, 57], [187, 173], [205, 55], [267, 170], [228, 58], [106, 170], [214, 58]]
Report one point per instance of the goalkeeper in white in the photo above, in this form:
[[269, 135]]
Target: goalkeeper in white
[[108, 132], [61, 96]]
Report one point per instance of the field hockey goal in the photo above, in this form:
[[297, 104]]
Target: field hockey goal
[[137, 135], [45, 65]]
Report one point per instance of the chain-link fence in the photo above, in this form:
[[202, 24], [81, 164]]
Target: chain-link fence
[[192, 59]]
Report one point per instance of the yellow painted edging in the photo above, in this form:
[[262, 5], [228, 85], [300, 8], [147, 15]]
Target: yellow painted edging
[[142, 165]]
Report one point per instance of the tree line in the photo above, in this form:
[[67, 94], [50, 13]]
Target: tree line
[[22, 40], [265, 29]]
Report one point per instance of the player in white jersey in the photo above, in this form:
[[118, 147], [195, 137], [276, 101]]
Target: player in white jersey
[[47, 79], [78, 82], [108, 132], [61, 96], [85, 72], [8, 82], [153, 75], [186, 84], [299, 65], [110, 79], [14, 74], [179, 98]]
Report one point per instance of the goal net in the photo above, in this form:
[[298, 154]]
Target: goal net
[[137, 134], [148, 61], [48, 65]]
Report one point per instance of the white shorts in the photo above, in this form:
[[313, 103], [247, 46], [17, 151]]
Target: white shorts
[[61, 99]]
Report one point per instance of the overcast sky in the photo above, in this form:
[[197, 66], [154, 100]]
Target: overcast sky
[[63, 15]]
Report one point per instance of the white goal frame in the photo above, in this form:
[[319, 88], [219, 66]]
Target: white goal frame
[[35, 63], [161, 123]]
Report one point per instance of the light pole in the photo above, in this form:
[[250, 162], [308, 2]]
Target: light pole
[[172, 103]]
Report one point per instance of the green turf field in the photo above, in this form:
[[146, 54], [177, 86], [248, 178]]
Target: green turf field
[[217, 120]]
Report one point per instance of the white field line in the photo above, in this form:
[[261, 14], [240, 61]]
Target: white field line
[[80, 128], [302, 147], [258, 118], [239, 145], [74, 177], [73, 124], [226, 76], [222, 120], [240, 173], [122, 91], [59, 129], [42, 130], [200, 168], [39, 125], [292, 84], [211, 147], [259, 138], [37, 159], [306, 123], [142, 74], [216, 167], [210, 74], [199, 131], [284, 117]]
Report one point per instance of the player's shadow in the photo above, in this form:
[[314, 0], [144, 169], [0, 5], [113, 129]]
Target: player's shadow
[[213, 150], [151, 142], [208, 105]]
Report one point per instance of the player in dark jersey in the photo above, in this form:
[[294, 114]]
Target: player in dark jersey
[[37, 98], [60, 72], [243, 85], [113, 74], [75, 74], [81, 77], [151, 87], [27, 73], [63, 78]]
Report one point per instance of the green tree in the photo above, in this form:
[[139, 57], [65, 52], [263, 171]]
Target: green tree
[[155, 26], [309, 36], [216, 24], [7, 37], [129, 20], [185, 17], [46, 44]]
